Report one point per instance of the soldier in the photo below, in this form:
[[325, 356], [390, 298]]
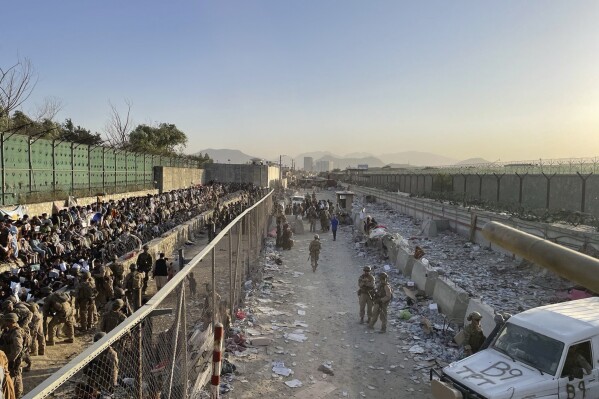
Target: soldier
[[38, 340], [314, 252], [11, 343], [58, 306], [114, 317], [118, 271], [473, 334], [104, 286], [103, 371], [286, 240], [384, 294], [312, 215], [119, 293], [86, 295], [25, 316], [46, 292], [366, 286], [144, 264], [134, 284]]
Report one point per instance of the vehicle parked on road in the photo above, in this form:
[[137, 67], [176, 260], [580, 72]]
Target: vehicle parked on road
[[547, 352]]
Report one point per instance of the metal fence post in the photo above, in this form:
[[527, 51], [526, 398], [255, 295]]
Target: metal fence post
[[213, 286], [176, 343], [216, 361], [231, 284]]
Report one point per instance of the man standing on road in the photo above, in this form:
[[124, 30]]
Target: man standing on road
[[384, 294], [473, 334], [334, 224], [365, 292], [12, 344], [314, 252], [161, 272], [144, 264]]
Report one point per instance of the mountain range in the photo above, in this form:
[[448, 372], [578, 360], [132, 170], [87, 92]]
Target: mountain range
[[413, 158]]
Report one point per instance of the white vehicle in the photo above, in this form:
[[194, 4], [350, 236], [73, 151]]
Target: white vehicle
[[546, 352], [297, 199]]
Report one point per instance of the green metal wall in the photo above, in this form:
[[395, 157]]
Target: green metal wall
[[35, 170]]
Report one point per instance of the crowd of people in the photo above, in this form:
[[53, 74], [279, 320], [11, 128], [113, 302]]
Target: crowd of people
[[70, 260]]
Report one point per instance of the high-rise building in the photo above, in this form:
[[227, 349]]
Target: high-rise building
[[324, 166], [309, 164]]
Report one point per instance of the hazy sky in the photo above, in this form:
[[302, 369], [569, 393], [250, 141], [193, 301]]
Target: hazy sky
[[505, 80]]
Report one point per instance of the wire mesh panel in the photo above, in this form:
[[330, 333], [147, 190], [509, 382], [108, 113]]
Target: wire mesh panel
[[164, 350]]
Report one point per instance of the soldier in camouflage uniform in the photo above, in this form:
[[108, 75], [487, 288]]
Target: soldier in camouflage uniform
[[314, 249], [86, 294], [58, 306], [118, 271], [113, 318], [25, 316], [366, 286], [384, 294], [38, 340], [119, 293], [104, 286], [144, 264], [11, 343], [103, 372], [473, 334], [134, 285]]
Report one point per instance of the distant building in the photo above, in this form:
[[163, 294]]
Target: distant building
[[309, 164], [324, 166], [363, 167]]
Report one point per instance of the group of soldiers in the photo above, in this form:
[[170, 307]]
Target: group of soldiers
[[374, 299]]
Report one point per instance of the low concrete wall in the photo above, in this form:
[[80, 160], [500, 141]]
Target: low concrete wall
[[46, 207], [451, 299], [424, 277], [260, 175]]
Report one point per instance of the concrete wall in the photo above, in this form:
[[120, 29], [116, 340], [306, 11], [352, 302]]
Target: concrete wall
[[566, 190], [46, 207], [261, 175], [169, 179]]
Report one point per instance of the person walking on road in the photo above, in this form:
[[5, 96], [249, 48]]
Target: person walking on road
[[384, 294], [366, 286], [334, 224], [161, 272], [314, 252]]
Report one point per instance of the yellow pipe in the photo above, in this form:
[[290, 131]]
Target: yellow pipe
[[574, 266]]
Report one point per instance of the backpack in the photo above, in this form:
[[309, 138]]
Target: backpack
[[137, 281]]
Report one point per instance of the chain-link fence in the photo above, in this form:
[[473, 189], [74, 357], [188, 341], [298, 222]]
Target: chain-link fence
[[164, 350]]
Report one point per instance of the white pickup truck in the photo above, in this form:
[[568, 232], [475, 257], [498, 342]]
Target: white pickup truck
[[546, 352]]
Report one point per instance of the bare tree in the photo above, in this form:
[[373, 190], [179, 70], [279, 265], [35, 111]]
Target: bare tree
[[118, 126], [16, 85], [48, 109]]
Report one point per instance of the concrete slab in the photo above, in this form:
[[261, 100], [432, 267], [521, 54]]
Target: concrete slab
[[402, 260], [451, 299], [425, 277]]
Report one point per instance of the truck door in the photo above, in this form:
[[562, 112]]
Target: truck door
[[579, 377]]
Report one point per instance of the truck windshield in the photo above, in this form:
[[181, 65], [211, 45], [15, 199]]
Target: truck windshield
[[530, 347]]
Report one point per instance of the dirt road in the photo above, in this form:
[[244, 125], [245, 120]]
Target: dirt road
[[365, 363]]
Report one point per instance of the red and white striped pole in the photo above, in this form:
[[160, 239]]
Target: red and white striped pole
[[217, 358]]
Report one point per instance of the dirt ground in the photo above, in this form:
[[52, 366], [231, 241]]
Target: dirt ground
[[365, 363]]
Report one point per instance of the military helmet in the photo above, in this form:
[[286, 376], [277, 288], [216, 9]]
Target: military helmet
[[474, 316], [367, 268], [10, 317], [132, 267], [383, 276], [46, 290], [86, 275], [119, 292], [117, 304], [316, 237], [99, 336], [7, 304]]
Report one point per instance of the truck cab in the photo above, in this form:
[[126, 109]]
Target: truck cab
[[547, 352]]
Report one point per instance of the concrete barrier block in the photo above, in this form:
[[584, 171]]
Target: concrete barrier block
[[425, 277], [451, 300], [402, 261], [487, 323]]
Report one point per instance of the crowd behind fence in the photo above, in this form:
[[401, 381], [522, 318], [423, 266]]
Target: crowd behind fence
[[164, 350]]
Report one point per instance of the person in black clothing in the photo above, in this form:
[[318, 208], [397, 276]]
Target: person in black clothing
[[144, 264], [161, 272]]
